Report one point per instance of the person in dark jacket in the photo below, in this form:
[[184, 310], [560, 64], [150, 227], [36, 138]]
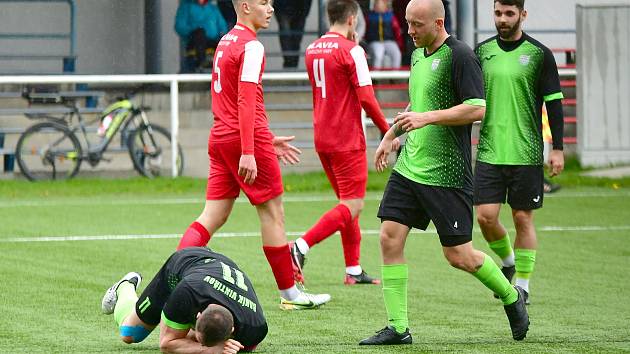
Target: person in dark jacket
[[200, 26], [291, 16]]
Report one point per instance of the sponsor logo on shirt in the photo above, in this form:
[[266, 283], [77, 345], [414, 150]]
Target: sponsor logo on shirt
[[488, 57], [435, 64], [323, 45], [524, 60]]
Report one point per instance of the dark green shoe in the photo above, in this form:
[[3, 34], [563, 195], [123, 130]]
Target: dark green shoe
[[388, 336], [517, 315]]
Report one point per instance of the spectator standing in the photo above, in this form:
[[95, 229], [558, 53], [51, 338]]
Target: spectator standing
[[359, 30], [448, 22], [399, 7], [291, 17], [227, 10], [383, 35], [200, 26]]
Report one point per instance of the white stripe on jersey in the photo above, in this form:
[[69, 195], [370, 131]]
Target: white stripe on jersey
[[252, 62], [363, 73]]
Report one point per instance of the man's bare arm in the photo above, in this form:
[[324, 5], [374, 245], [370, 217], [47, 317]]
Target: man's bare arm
[[175, 341], [461, 114]]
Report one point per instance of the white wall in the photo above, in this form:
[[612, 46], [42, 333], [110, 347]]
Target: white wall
[[110, 33], [604, 84]]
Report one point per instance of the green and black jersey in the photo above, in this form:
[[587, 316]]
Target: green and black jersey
[[440, 155], [197, 277], [519, 76]]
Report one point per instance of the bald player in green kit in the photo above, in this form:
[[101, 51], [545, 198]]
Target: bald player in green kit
[[432, 179]]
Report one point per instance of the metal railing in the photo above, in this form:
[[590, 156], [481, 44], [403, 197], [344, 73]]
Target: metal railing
[[174, 79]]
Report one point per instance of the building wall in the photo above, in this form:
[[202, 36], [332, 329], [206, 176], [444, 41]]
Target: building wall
[[109, 35], [111, 38], [603, 83]]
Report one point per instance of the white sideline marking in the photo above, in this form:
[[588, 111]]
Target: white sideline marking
[[286, 199], [289, 233]]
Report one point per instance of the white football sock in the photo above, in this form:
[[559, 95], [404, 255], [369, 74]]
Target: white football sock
[[354, 270], [523, 283], [302, 245], [509, 260], [290, 294]]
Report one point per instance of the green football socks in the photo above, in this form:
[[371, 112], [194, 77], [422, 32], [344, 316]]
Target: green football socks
[[503, 249], [395, 294], [525, 261], [126, 303], [490, 275]]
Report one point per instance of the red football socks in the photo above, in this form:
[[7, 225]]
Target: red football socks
[[351, 241], [334, 220], [279, 259], [195, 236]]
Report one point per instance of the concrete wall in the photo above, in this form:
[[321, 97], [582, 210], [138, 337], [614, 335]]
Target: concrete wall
[[111, 38], [603, 82], [33, 18], [109, 35]]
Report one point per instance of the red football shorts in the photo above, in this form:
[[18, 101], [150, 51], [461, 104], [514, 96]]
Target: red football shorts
[[224, 181], [347, 172]]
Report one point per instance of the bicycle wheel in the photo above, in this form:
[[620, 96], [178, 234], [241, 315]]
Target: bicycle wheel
[[151, 151], [48, 151]]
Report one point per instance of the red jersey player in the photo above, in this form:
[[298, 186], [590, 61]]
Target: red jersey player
[[244, 153], [341, 82]]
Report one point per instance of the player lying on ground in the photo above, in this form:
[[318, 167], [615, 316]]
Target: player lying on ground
[[201, 300]]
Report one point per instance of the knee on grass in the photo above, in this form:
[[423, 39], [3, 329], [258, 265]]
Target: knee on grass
[[133, 334]]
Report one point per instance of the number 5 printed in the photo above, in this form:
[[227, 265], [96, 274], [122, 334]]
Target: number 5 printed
[[217, 82], [319, 75]]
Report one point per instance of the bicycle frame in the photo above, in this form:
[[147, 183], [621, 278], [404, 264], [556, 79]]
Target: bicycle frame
[[122, 112]]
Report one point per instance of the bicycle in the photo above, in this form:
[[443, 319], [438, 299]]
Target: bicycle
[[52, 150]]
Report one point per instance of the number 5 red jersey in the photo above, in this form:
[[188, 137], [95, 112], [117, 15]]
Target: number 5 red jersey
[[237, 93]]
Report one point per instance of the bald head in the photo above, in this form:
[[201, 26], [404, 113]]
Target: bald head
[[426, 23], [431, 9]]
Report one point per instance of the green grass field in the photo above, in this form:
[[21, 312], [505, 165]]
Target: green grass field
[[62, 245]]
